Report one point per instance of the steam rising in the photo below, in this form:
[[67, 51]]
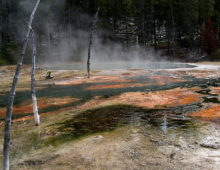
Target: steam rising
[[74, 47], [62, 44]]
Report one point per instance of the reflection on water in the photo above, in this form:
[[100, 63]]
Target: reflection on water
[[111, 117], [164, 124]]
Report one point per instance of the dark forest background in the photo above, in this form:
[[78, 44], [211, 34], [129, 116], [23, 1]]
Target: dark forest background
[[186, 30]]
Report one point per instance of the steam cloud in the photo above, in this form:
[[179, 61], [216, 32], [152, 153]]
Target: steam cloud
[[61, 45]]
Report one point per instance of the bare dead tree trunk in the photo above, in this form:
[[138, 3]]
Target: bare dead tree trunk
[[34, 98], [169, 35], [170, 29], [90, 42], [12, 94], [143, 30], [137, 42], [126, 31], [48, 38], [155, 34]]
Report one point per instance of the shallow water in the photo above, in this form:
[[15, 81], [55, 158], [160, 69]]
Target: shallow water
[[118, 65], [79, 91], [111, 117], [209, 98]]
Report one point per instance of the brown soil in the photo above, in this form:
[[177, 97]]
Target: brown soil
[[210, 112], [43, 114], [159, 99], [153, 100], [215, 90], [26, 107]]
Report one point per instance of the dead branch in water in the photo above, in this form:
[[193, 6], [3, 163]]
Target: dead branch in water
[[90, 42], [12, 93]]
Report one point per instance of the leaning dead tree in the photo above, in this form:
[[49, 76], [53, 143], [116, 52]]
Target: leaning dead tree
[[34, 98], [12, 93], [90, 42]]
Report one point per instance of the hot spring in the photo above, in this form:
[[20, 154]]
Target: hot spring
[[116, 65]]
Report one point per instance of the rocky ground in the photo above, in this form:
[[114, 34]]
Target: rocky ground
[[117, 119]]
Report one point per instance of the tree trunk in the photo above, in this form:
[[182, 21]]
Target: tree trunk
[[170, 28], [5, 36], [90, 43], [155, 34], [169, 36], [34, 98], [170, 51], [137, 42], [48, 39], [126, 31], [12, 94], [143, 30]]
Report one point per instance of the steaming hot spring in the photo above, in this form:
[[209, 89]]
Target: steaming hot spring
[[128, 113], [117, 65]]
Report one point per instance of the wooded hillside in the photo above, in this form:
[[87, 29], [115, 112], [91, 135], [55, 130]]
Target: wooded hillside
[[176, 26]]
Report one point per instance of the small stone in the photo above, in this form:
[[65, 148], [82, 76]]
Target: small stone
[[212, 146], [99, 137], [172, 155]]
